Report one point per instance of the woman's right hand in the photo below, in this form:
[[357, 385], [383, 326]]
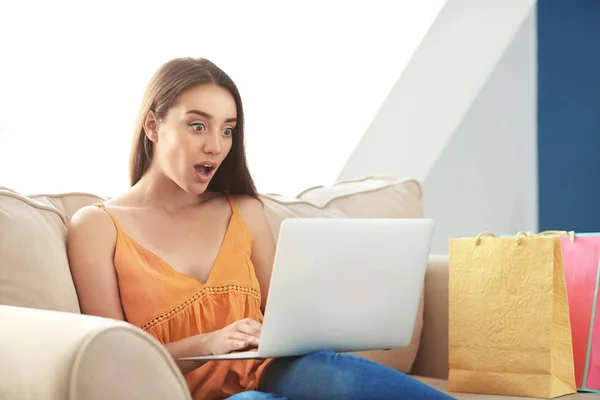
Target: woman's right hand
[[234, 337]]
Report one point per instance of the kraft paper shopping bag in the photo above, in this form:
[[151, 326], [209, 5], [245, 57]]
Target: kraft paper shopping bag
[[581, 259], [509, 328]]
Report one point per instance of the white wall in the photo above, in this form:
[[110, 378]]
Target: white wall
[[435, 91], [486, 177]]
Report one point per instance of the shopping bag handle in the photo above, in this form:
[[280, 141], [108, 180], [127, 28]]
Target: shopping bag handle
[[571, 234], [481, 234], [545, 233], [559, 233], [522, 234]]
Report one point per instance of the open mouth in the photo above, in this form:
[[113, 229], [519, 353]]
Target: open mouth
[[205, 169]]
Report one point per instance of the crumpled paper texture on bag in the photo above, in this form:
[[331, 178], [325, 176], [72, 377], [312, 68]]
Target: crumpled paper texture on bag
[[509, 328]]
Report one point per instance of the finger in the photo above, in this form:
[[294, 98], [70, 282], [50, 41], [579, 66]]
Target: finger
[[250, 321], [249, 329], [248, 339], [251, 340], [253, 325], [233, 345]]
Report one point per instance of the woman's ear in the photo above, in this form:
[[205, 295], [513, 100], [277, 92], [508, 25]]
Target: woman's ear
[[151, 127]]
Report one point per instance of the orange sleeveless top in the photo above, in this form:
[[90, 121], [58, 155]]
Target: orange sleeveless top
[[172, 306]]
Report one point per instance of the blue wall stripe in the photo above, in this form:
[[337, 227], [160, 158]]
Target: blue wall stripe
[[569, 114]]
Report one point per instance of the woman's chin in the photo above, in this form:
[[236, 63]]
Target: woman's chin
[[194, 188]]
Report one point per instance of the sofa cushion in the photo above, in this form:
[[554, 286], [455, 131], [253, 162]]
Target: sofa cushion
[[68, 203], [34, 269], [371, 197]]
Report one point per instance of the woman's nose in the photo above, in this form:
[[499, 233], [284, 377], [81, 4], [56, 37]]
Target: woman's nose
[[212, 145]]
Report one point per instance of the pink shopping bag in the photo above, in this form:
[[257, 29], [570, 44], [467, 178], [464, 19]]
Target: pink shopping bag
[[581, 260]]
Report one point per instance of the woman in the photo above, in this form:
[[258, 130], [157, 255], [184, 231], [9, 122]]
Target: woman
[[186, 253]]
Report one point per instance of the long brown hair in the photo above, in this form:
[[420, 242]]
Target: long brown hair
[[163, 90]]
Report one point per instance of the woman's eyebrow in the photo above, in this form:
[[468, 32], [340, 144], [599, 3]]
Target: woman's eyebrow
[[209, 116]]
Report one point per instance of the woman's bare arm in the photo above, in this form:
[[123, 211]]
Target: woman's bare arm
[[91, 245], [263, 244]]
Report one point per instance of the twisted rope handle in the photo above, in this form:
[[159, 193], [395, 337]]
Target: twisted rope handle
[[481, 234], [522, 234], [558, 233], [571, 234]]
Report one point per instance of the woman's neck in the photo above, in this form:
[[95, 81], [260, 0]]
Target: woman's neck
[[156, 190]]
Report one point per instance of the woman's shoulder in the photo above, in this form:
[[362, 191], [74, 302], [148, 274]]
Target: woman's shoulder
[[98, 218], [96, 214], [91, 220], [248, 206], [91, 235], [252, 211]]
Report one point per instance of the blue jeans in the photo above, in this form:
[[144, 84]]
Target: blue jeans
[[331, 376]]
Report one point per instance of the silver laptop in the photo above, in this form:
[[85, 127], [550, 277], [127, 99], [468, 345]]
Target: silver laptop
[[342, 285]]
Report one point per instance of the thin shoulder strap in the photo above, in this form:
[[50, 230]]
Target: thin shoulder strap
[[231, 202], [102, 206]]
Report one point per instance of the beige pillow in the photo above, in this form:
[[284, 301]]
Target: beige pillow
[[67, 203], [372, 197], [34, 269]]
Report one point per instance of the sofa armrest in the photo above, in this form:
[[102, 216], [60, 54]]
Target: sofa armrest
[[57, 355], [432, 357]]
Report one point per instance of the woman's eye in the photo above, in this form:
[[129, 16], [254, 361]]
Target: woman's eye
[[198, 127], [228, 131]]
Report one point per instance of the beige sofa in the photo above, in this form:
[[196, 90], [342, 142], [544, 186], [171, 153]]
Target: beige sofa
[[48, 350]]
